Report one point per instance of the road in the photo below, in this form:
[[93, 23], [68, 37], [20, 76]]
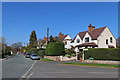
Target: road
[[54, 70], [16, 66], [19, 66]]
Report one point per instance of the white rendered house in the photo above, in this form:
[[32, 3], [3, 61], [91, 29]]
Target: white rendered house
[[94, 38], [66, 39]]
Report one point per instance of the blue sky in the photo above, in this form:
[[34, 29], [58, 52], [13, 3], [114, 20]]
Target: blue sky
[[19, 19]]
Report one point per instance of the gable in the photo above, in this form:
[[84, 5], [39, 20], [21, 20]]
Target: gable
[[68, 37]]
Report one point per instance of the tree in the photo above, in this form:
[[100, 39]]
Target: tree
[[33, 40], [51, 39], [16, 46]]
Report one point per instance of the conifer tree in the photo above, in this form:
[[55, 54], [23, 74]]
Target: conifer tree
[[33, 40]]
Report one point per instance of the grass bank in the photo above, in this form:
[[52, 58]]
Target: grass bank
[[44, 59], [93, 65]]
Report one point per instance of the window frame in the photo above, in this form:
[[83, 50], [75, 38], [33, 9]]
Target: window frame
[[78, 40], [111, 40], [88, 40], [107, 41]]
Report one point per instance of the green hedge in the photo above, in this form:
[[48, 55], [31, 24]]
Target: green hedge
[[54, 49], [103, 54], [32, 50], [41, 53]]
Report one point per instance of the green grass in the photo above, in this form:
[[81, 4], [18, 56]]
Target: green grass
[[94, 65], [44, 59]]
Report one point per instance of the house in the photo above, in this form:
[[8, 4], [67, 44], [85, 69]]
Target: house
[[94, 38], [66, 39]]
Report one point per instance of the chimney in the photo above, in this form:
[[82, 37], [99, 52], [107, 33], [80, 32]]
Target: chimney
[[90, 28], [47, 34]]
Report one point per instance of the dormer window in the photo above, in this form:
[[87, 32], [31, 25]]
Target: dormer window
[[111, 39], [78, 40], [87, 39]]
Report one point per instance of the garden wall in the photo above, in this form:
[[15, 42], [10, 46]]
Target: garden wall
[[102, 62]]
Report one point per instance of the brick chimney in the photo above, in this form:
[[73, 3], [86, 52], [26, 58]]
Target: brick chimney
[[90, 28], [61, 35]]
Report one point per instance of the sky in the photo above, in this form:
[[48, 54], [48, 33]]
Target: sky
[[19, 19]]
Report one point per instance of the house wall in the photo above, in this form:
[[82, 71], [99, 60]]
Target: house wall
[[75, 41], [87, 35], [68, 39], [106, 34]]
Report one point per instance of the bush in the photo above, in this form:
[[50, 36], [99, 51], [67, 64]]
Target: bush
[[103, 54], [54, 49], [69, 51], [41, 53], [68, 55], [33, 51]]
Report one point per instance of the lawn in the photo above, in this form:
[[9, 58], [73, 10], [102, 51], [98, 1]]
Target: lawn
[[94, 65], [44, 59]]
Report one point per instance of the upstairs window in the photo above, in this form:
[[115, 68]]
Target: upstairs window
[[111, 39], [87, 39], [106, 41], [65, 42], [78, 40]]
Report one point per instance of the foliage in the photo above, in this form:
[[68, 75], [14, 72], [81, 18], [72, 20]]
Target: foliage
[[51, 39], [69, 51], [44, 59], [68, 55], [33, 40], [41, 53], [103, 54], [54, 49], [16, 47], [33, 51]]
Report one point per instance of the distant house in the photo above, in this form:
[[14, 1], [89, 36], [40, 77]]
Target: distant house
[[94, 38], [66, 39]]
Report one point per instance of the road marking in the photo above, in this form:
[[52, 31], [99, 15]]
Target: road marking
[[29, 76], [28, 70]]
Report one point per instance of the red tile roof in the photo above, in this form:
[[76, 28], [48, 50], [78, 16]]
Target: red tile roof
[[94, 33]]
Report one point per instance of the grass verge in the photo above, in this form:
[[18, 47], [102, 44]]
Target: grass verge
[[44, 59], [94, 65]]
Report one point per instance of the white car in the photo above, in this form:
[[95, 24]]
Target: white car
[[34, 57]]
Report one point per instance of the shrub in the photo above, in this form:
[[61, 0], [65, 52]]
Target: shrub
[[54, 49], [33, 50], [68, 55], [41, 53], [69, 51], [103, 54]]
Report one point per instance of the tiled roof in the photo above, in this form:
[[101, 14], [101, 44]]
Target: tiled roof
[[94, 33]]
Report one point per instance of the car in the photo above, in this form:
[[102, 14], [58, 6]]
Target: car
[[34, 57], [27, 55]]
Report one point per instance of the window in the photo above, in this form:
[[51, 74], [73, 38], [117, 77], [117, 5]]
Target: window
[[78, 40], [111, 39], [65, 42], [106, 41], [87, 39]]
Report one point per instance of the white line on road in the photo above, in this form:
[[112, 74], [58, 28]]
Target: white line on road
[[28, 70]]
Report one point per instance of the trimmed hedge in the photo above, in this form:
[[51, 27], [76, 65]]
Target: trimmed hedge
[[54, 49], [41, 53], [33, 50], [103, 54]]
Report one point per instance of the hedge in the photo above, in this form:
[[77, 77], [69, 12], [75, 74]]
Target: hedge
[[54, 49], [33, 50], [103, 54], [41, 53]]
